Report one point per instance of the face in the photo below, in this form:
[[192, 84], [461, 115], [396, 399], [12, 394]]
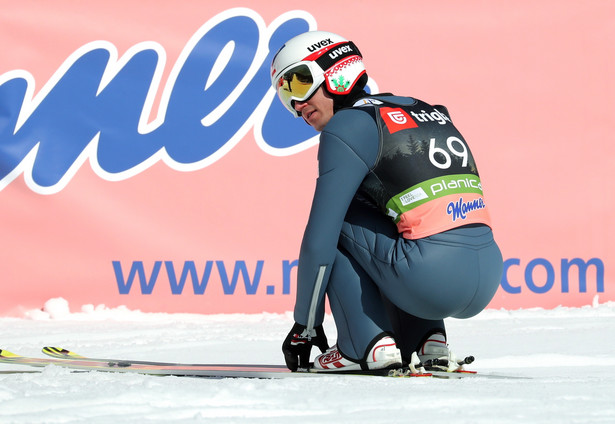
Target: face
[[317, 110]]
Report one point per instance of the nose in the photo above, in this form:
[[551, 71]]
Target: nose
[[299, 105]]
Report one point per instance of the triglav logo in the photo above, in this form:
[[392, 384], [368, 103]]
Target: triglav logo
[[396, 119], [99, 107]]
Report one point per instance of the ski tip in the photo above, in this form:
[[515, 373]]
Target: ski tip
[[59, 352], [6, 354]]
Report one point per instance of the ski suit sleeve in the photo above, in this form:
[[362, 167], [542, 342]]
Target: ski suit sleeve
[[348, 149]]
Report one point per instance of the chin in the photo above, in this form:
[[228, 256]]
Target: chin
[[315, 126]]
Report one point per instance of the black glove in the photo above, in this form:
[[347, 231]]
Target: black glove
[[299, 344]]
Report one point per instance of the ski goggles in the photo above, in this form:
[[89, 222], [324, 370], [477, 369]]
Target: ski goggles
[[299, 83]]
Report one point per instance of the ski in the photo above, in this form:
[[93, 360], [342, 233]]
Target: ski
[[61, 353], [437, 368], [161, 369], [67, 359]]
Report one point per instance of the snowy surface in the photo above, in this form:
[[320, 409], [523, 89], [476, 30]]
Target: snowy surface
[[569, 354]]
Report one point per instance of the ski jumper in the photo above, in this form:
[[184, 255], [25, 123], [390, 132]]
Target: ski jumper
[[398, 221]]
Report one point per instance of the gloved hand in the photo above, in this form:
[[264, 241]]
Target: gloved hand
[[298, 345]]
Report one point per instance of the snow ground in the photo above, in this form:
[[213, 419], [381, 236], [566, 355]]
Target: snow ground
[[569, 353]]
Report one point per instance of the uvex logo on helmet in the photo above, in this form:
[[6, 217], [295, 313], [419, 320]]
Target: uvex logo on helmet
[[343, 50], [320, 44]]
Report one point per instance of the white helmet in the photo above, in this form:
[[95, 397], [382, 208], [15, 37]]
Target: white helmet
[[306, 61]]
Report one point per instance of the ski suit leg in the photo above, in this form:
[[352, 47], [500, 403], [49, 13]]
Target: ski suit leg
[[454, 273], [411, 332], [357, 308]]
